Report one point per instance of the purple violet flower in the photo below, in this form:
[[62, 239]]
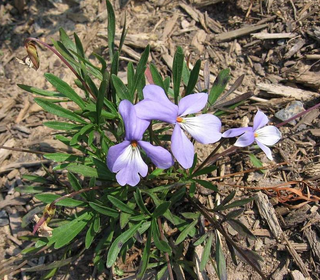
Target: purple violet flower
[[262, 134], [125, 158], [203, 128]]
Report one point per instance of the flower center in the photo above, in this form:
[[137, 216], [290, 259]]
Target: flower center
[[134, 144], [255, 135], [179, 119]]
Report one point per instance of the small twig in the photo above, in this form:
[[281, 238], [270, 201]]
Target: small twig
[[166, 255], [22, 164], [22, 150]]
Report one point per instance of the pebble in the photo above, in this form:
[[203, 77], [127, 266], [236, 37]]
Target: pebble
[[291, 110]]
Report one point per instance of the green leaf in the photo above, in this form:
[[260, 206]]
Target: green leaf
[[38, 91], [206, 170], [31, 189], [66, 41], [238, 203], [177, 72], [89, 236], [195, 161], [161, 209], [123, 34], [119, 204], [65, 89], [139, 75], [111, 28], [226, 200], [102, 61], [155, 173], [256, 162], [102, 170], [139, 200], [62, 125], [178, 195], [74, 182], [206, 252], [55, 264], [64, 234], [160, 244], [58, 110], [234, 214], [61, 157], [104, 210], [221, 261], [166, 83], [125, 217], [87, 171], [118, 243], [115, 65], [194, 75], [200, 240], [121, 90], [183, 235], [219, 85], [207, 185], [130, 74], [96, 223], [101, 95], [157, 79], [185, 73], [79, 46], [191, 215], [35, 178], [66, 53], [68, 202], [145, 256], [241, 229]]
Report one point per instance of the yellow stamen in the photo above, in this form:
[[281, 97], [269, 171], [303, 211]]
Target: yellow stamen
[[255, 135], [179, 119], [134, 143]]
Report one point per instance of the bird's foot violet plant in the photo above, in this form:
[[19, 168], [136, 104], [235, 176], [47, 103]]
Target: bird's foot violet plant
[[132, 182]]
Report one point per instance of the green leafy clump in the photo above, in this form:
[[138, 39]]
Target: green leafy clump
[[108, 220]]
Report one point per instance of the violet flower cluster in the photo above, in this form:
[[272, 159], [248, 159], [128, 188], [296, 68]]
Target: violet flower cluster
[[125, 158]]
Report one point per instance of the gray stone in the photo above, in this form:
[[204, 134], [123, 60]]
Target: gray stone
[[291, 110]]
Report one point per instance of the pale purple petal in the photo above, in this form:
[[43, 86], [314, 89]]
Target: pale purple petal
[[158, 155], [127, 176], [204, 128], [114, 152], [233, 132], [268, 135], [151, 110], [128, 165], [182, 147], [245, 139], [265, 149], [156, 93], [260, 120], [192, 103], [134, 127]]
